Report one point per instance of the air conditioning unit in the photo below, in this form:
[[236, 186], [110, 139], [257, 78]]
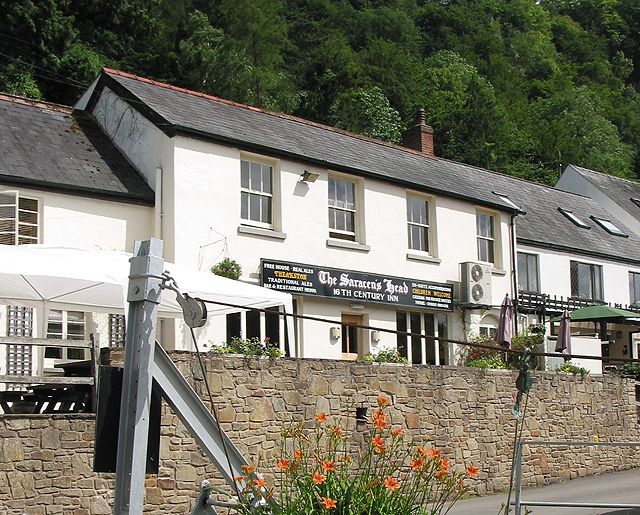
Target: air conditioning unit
[[475, 283]]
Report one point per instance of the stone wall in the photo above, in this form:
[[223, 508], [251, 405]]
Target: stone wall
[[45, 463]]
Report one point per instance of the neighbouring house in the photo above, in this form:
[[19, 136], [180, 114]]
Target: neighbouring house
[[617, 196], [63, 182], [572, 253], [374, 237]]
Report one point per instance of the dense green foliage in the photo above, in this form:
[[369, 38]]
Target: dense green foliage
[[520, 86]]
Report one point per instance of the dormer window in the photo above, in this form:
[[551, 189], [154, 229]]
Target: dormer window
[[574, 218], [609, 226]]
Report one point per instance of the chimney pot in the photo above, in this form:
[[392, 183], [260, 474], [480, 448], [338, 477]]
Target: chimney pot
[[420, 136]]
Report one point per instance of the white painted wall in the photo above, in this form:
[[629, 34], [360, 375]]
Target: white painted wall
[[197, 215], [555, 274], [206, 203]]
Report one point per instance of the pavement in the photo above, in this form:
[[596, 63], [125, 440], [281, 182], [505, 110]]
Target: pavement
[[614, 488]]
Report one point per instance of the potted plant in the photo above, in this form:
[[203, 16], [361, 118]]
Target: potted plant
[[227, 268]]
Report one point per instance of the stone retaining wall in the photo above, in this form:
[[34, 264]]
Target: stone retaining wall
[[45, 463]]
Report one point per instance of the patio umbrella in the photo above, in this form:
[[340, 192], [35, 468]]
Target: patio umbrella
[[563, 344], [503, 334]]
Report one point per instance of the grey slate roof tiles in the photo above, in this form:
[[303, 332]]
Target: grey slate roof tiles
[[617, 188], [176, 110], [45, 146]]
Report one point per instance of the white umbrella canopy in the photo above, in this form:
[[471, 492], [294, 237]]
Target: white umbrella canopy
[[53, 277]]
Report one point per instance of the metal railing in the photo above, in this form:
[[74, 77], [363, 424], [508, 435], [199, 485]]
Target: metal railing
[[519, 502]]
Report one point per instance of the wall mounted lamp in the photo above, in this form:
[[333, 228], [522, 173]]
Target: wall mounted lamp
[[375, 336], [334, 332], [308, 176]]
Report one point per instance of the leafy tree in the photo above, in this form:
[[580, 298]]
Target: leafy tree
[[367, 112]]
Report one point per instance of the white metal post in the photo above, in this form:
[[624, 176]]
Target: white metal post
[[145, 280]]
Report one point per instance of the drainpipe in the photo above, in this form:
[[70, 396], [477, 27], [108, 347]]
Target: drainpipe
[[157, 229], [514, 271]]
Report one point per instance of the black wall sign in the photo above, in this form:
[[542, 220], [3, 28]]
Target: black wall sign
[[333, 283]]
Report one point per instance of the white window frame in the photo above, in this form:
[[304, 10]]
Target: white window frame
[[19, 217], [339, 237], [429, 226], [66, 353], [273, 196], [493, 240]]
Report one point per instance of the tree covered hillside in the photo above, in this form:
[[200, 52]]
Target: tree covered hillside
[[520, 86]]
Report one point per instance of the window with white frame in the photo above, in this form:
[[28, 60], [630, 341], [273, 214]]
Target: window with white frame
[[485, 232], [257, 192], [18, 219], [634, 288], [342, 209], [418, 228], [586, 281], [528, 273], [69, 325]]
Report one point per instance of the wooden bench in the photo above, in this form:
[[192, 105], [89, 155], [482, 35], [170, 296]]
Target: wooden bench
[[53, 393]]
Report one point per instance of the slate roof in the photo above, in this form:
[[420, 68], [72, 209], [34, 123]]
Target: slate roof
[[543, 225], [180, 111], [44, 146], [177, 110], [618, 189]]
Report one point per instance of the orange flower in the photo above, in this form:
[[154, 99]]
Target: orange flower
[[391, 484], [260, 483], [444, 464], [321, 417], [378, 443], [283, 464], [337, 432], [318, 478], [248, 469], [381, 421], [422, 450], [433, 453], [345, 459], [239, 479], [329, 466], [297, 454], [472, 471], [383, 402], [328, 503], [460, 487], [397, 432], [417, 464], [441, 474]]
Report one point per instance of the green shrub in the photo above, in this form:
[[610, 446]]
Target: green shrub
[[569, 367], [249, 347], [630, 369], [385, 356], [482, 357]]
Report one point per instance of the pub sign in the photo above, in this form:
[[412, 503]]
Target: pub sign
[[299, 279]]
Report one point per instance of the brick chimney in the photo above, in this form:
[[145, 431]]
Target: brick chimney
[[420, 136]]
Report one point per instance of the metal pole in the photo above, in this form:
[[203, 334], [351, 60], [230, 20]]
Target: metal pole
[[518, 478], [143, 296]]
